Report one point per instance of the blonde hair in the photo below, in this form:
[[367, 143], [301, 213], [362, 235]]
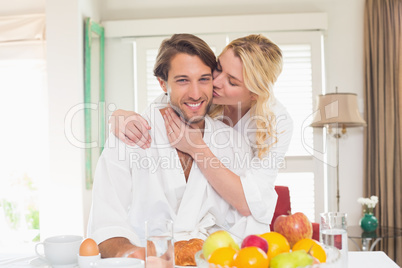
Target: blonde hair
[[262, 65]]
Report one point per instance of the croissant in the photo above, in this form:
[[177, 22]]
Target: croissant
[[184, 251]]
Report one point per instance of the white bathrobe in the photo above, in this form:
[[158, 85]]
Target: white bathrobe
[[259, 180], [133, 185]]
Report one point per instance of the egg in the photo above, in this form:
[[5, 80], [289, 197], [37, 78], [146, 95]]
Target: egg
[[89, 248]]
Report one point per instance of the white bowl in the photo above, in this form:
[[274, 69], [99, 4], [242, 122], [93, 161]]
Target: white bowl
[[333, 260]]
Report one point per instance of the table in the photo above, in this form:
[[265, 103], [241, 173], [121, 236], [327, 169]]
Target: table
[[357, 259], [356, 232], [368, 259]]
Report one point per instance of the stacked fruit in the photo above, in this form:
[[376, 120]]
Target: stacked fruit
[[289, 245]]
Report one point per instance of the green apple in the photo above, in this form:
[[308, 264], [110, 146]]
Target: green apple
[[218, 239], [298, 258]]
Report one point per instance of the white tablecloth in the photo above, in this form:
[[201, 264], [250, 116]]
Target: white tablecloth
[[357, 259], [368, 259]]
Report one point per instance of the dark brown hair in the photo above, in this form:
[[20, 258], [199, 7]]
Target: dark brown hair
[[182, 43]]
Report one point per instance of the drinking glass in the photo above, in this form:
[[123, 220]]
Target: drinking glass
[[159, 250], [333, 232]]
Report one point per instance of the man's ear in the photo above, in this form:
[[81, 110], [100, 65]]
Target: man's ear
[[162, 84]]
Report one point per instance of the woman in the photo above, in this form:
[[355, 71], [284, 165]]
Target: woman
[[243, 96]]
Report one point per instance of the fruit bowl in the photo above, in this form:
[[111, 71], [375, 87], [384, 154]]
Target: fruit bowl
[[333, 260]]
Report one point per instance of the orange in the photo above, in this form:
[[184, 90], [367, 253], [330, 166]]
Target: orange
[[277, 244], [311, 246], [251, 257], [222, 256]]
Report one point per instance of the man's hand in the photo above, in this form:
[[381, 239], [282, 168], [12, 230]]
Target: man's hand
[[120, 247]]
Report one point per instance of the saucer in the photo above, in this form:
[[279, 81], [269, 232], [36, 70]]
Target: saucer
[[40, 263]]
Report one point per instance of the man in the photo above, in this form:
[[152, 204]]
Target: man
[[133, 185]]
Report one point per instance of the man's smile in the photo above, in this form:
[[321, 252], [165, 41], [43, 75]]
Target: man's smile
[[193, 105]]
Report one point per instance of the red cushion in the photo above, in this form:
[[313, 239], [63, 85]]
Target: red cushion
[[316, 231], [283, 203]]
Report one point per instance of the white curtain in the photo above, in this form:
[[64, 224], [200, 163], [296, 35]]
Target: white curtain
[[22, 37], [22, 28]]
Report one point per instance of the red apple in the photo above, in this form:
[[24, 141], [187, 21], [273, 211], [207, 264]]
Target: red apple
[[294, 227], [255, 241]]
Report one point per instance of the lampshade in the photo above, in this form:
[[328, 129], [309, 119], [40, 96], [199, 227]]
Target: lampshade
[[338, 108]]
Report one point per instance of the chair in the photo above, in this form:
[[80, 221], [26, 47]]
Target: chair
[[283, 207]]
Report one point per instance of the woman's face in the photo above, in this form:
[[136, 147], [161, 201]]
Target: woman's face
[[229, 88]]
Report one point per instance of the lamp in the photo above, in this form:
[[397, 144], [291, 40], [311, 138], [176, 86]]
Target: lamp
[[336, 110]]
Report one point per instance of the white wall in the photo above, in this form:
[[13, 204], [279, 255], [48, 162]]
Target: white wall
[[344, 69], [62, 209], [343, 55]]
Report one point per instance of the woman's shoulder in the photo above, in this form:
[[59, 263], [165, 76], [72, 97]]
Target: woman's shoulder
[[278, 108], [284, 124], [221, 130], [222, 136], [282, 116]]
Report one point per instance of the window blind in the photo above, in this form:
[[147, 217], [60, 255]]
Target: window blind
[[294, 90], [301, 188], [153, 87]]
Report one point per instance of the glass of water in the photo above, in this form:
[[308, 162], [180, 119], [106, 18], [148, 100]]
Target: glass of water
[[333, 232], [159, 251]]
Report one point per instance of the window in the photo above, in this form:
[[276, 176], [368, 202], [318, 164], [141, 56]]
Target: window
[[23, 150], [300, 80], [24, 134]]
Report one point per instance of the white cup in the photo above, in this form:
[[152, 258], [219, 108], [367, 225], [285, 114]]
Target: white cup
[[60, 251]]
